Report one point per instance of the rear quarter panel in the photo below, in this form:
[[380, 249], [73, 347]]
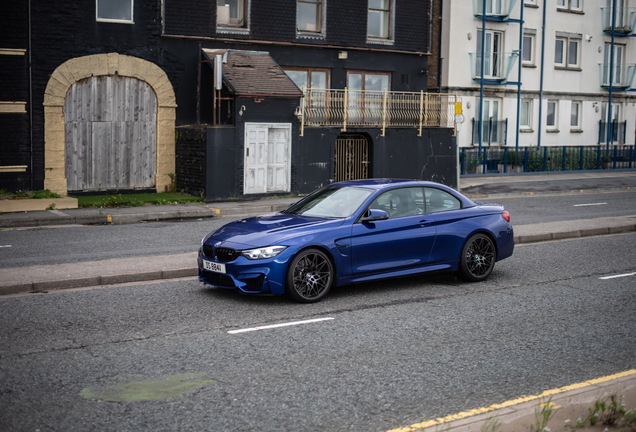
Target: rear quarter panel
[[456, 226]]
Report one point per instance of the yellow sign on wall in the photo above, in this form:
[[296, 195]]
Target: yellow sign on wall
[[458, 108]]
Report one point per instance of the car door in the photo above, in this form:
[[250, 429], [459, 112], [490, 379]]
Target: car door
[[402, 241], [452, 224]]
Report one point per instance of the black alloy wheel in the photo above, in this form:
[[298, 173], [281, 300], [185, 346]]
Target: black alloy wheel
[[478, 258], [309, 277]]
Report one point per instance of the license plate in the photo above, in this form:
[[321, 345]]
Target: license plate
[[213, 267]]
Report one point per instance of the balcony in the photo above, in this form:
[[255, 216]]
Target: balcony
[[625, 20], [369, 109], [493, 132], [623, 75], [618, 130], [496, 10], [497, 66]]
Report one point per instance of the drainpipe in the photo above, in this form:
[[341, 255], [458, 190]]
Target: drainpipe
[[611, 77], [481, 81], [541, 85], [519, 79], [30, 101]]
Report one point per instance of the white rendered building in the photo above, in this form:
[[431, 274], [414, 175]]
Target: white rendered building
[[565, 70]]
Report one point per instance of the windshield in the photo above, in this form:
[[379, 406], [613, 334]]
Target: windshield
[[337, 202]]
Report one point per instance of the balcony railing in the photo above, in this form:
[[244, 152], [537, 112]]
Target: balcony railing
[[497, 66], [624, 21], [355, 108], [622, 75], [498, 9], [493, 132], [618, 131]]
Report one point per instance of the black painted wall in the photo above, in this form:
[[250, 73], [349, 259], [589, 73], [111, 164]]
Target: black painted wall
[[63, 30]]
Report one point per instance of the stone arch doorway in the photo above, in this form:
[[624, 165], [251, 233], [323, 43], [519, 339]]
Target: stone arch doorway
[[352, 159], [110, 125], [112, 64]]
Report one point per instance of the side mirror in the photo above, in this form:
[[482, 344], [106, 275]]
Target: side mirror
[[372, 215]]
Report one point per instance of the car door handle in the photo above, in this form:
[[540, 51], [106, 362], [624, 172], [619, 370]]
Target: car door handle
[[425, 222]]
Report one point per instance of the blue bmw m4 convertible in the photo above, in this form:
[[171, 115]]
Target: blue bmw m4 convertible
[[356, 231]]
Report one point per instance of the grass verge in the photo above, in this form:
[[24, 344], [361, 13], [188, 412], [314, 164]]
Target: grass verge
[[135, 200], [39, 194]]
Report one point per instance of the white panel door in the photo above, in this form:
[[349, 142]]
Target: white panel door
[[277, 158], [267, 158], [255, 159]]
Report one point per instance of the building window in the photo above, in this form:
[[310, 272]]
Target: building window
[[570, 5], [525, 114], [492, 127], [567, 50], [114, 11], [309, 16], [527, 53], [379, 20], [310, 78], [617, 75], [575, 116], [231, 13], [371, 81], [551, 120], [493, 54]]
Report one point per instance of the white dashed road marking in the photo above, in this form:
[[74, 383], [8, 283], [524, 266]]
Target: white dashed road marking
[[618, 276], [590, 204], [293, 323]]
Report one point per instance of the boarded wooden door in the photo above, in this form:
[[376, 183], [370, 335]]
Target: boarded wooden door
[[110, 127], [267, 158]]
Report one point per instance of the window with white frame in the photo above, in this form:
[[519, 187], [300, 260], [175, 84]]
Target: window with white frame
[[567, 50], [231, 14], [491, 123], [551, 120], [120, 11], [527, 52], [309, 16], [617, 70], [575, 115], [570, 5], [525, 114], [380, 20], [493, 54]]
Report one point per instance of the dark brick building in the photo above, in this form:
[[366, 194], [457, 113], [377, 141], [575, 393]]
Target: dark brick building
[[121, 93]]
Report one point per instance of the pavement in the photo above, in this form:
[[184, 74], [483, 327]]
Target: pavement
[[513, 415]]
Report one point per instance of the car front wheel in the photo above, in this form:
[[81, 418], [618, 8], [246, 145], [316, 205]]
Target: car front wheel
[[478, 258], [309, 277]]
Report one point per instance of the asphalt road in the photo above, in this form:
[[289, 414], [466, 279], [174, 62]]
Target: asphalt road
[[86, 243], [394, 353]]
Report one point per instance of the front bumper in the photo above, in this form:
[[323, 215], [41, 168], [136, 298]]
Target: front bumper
[[266, 276]]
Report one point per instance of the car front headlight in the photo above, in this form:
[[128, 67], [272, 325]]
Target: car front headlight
[[262, 253]]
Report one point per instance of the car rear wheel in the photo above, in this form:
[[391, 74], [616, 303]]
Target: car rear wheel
[[309, 277], [478, 258]]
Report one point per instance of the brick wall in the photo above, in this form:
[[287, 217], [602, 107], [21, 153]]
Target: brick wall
[[191, 160]]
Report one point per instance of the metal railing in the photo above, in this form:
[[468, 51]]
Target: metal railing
[[356, 108], [497, 66], [624, 22], [493, 132], [545, 159], [618, 130]]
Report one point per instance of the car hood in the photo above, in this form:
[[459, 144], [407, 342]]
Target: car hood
[[269, 229]]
